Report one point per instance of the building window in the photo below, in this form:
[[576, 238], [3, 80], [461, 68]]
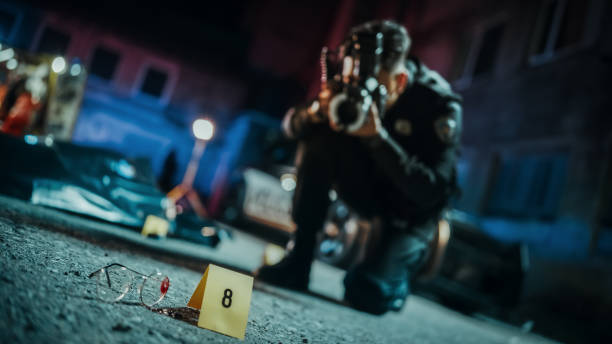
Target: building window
[[104, 63], [561, 25], [154, 82], [7, 22], [461, 58], [53, 41], [527, 186], [477, 52], [489, 48]]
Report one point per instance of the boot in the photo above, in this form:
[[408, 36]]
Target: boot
[[293, 271], [367, 293]]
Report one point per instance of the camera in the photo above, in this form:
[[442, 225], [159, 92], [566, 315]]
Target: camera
[[353, 73]]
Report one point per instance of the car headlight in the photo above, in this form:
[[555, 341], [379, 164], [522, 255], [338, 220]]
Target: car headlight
[[288, 182]]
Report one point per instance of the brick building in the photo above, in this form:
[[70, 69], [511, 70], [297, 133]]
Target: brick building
[[534, 77]]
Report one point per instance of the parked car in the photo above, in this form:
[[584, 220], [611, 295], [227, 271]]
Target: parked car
[[93, 182], [478, 274], [258, 203]]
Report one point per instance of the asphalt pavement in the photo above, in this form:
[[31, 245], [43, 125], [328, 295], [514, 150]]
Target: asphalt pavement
[[46, 296]]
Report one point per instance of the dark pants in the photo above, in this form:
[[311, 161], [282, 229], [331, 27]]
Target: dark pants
[[333, 160]]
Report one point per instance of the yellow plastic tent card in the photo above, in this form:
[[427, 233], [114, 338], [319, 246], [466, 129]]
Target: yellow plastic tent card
[[155, 225], [224, 298]]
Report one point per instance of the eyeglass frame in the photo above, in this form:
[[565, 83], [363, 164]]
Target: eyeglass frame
[[144, 279]]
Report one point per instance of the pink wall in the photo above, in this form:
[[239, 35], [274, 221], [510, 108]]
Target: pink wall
[[187, 86]]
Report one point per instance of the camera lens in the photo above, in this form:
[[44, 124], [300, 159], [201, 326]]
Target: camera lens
[[348, 112]]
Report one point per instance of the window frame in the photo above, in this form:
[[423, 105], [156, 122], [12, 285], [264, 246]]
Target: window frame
[[526, 167], [476, 36], [113, 44], [171, 71], [591, 26], [53, 25], [146, 73], [109, 47]]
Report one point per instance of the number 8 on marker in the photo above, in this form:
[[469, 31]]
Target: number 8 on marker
[[223, 309], [227, 296]]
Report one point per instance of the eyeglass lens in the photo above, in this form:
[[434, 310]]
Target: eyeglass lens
[[154, 288], [113, 283]]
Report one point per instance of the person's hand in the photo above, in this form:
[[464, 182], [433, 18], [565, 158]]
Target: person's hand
[[318, 111], [372, 126], [321, 106]]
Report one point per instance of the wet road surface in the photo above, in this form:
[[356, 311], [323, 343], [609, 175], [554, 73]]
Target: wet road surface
[[45, 295]]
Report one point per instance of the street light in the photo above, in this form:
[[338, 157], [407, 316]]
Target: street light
[[58, 65], [203, 130]]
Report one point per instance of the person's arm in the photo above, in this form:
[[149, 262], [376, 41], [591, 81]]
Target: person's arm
[[300, 120], [419, 182]]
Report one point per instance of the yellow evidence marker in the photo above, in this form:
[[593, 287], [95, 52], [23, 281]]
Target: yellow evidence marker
[[224, 298], [155, 225], [273, 254]]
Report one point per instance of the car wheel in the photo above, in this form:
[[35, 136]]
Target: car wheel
[[342, 240]]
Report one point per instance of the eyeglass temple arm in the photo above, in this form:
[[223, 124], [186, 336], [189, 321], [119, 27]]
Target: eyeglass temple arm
[[102, 268], [105, 272], [113, 264]]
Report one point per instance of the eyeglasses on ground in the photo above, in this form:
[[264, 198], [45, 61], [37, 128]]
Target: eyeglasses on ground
[[114, 281]]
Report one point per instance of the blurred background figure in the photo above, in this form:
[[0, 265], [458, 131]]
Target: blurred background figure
[[24, 98], [16, 107]]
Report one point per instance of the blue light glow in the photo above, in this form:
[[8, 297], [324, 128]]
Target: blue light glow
[[124, 169], [75, 69], [30, 139]]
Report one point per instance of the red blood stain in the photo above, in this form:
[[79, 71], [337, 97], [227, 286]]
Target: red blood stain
[[164, 286]]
